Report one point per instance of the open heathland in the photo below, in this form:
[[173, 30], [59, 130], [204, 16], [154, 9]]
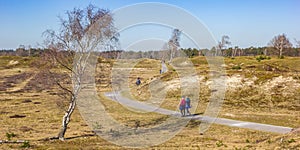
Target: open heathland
[[262, 91]]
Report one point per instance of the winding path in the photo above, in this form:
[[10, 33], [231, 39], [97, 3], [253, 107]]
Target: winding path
[[116, 96]]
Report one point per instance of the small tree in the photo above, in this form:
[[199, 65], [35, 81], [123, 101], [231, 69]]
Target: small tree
[[223, 44], [234, 51], [173, 43], [80, 34], [280, 43]]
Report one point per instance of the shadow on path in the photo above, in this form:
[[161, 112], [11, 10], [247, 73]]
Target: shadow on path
[[116, 96]]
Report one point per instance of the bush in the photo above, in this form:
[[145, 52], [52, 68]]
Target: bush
[[25, 144], [291, 140], [237, 67], [281, 57], [262, 57], [220, 143], [10, 135]]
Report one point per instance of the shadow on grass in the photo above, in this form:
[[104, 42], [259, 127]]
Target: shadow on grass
[[81, 136], [68, 138]]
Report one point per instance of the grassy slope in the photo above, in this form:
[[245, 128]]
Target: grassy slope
[[43, 116]]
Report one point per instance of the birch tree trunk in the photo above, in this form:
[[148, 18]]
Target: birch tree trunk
[[280, 52], [66, 119], [81, 33]]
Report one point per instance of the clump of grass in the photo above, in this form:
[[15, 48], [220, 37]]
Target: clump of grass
[[10, 135], [291, 140], [25, 144], [236, 67], [262, 57], [264, 77], [220, 144], [247, 141]]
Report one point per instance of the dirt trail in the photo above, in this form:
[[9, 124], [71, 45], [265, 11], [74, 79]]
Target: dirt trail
[[21, 85]]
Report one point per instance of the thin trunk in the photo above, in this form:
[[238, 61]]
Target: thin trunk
[[66, 118], [280, 52], [235, 52], [265, 52], [171, 54]]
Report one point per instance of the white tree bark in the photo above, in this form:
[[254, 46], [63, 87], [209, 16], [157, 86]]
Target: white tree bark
[[280, 42], [81, 33]]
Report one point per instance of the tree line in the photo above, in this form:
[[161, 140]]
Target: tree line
[[37, 52], [278, 46], [236, 51], [152, 54]]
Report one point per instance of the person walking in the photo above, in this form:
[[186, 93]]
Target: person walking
[[188, 105], [182, 105], [138, 82]]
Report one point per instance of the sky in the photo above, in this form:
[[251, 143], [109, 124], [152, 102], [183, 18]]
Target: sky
[[246, 22]]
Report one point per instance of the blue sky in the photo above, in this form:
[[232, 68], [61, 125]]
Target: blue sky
[[246, 22]]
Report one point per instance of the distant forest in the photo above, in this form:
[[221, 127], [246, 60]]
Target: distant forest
[[190, 52]]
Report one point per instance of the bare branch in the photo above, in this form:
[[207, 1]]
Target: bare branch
[[81, 32], [280, 42]]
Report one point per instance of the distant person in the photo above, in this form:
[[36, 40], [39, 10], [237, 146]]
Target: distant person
[[188, 105], [138, 81], [182, 106], [164, 68]]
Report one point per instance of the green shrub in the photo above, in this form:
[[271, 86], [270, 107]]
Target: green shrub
[[247, 141], [262, 57], [26, 144], [237, 67], [291, 140], [10, 135], [281, 57], [220, 143]]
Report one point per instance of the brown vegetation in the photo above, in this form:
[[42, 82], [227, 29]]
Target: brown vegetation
[[254, 94]]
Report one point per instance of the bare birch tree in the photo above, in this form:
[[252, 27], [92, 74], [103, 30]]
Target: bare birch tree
[[222, 44], [173, 43], [280, 42], [81, 32], [234, 51]]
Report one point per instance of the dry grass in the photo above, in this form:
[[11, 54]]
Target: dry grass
[[147, 70], [42, 116], [129, 116]]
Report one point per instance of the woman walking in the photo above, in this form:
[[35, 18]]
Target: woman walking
[[182, 105]]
